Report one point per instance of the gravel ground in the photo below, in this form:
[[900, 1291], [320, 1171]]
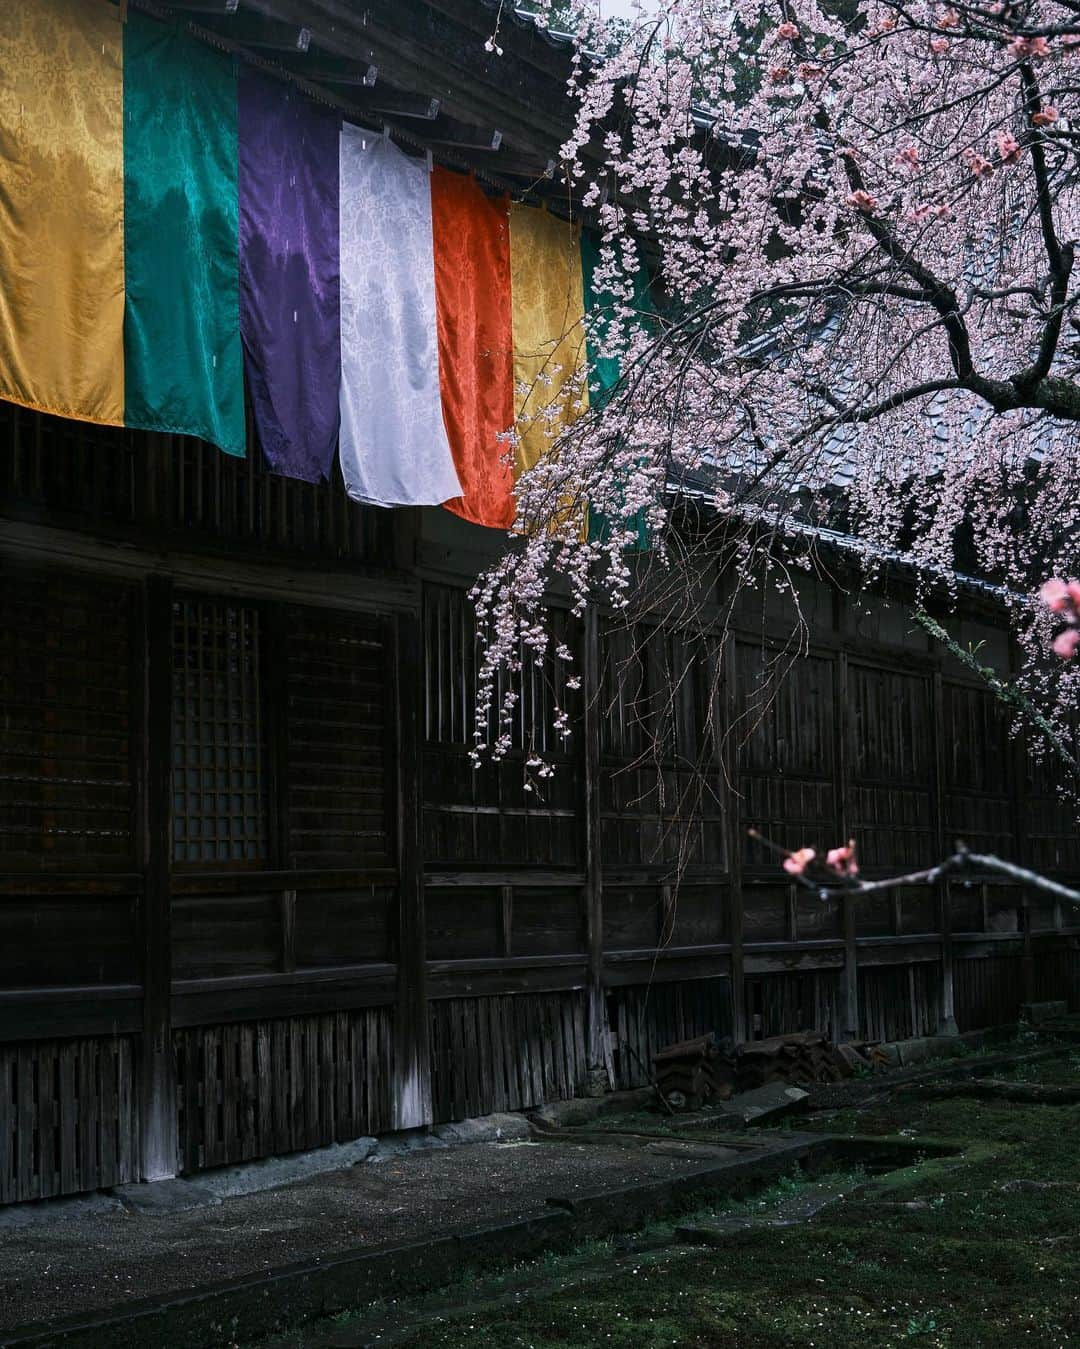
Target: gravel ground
[[56, 1268]]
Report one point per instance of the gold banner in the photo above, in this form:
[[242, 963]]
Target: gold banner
[[62, 208], [549, 330]]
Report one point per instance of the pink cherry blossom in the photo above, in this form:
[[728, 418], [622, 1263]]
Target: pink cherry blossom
[[797, 862], [1055, 594], [1008, 147], [799, 240], [1065, 644], [842, 860], [939, 45], [1023, 47], [863, 201], [788, 31]]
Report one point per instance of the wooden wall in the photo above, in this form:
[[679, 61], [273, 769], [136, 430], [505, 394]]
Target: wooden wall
[[255, 897]]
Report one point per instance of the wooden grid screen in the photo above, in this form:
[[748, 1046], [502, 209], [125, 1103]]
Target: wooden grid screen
[[219, 787], [340, 736], [65, 709]]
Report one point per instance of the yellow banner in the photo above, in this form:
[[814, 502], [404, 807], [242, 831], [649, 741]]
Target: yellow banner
[[62, 208], [548, 328]]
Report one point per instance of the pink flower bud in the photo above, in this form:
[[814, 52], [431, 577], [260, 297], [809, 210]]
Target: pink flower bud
[[939, 45], [909, 157], [1054, 593], [779, 74], [788, 31], [1074, 594], [978, 164], [1047, 117], [1008, 148], [950, 19], [863, 201], [842, 860], [797, 862], [1065, 645]]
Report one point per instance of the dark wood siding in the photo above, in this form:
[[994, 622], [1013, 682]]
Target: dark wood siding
[[65, 723], [339, 734]]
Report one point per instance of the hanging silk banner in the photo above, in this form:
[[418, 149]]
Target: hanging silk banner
[[62, 208], [472, 289], [549, 332], [184, 368], [289, 284], [393, 445], [605, 370]]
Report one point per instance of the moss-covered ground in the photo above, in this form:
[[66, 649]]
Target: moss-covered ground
[[977, 1253]]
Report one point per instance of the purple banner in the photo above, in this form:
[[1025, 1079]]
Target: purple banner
[[289, 292]]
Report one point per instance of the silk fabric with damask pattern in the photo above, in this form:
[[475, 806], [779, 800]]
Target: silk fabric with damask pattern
[[393, 444], [138, 204], [182, 325], [476, 364], [549, 331], [289, 283], [62, 208]]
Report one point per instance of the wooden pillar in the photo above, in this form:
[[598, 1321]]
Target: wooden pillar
[[849, 978], [1019, 811], [726, 718], [157, 1075], [947, 1005], [599, 1046], [412, 1066]]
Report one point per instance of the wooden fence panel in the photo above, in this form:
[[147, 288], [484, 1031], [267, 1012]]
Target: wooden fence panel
[[988, 991], [505, 1052], [67, 1117], [253, 1089], [646, 1017]]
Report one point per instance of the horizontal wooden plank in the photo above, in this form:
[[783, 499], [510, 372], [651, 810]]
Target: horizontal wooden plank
[[497, 879]]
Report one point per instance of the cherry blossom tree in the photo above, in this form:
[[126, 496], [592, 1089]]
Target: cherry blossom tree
[[862, 219]]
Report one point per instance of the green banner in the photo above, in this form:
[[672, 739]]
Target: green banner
[[183, 356]]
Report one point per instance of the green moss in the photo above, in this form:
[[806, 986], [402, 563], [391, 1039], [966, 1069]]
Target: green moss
[[976, 1252]]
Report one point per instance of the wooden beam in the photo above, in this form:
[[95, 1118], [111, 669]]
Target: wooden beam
[[260, 32], [157, 1095], [464, 137], [390, 103]]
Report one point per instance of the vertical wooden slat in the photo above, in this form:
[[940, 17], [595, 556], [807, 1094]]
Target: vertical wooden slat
[[28, 1181], [265, 1068], [593, 896], [157, 1093], [107, 1149], [71, 1174], [411, 1054], [48, 1179], [7, 1124]]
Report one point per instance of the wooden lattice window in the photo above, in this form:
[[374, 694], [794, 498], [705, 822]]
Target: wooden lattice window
[[219, 782]]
